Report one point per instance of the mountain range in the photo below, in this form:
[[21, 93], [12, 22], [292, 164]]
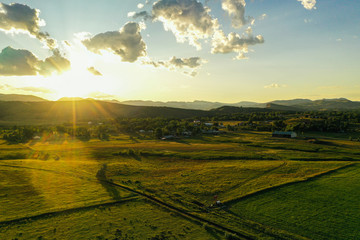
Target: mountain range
[[23, 109], [285, 105]]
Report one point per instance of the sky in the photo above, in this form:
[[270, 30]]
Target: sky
[[181, 50]]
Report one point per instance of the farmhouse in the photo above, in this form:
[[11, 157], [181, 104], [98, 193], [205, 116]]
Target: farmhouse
[[284, 134], [168, 137]]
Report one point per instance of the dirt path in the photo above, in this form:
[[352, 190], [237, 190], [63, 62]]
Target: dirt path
[[183, 213], [152, 199], [241, 235]]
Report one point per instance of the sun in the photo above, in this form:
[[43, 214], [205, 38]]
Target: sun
[[74, 83], [89, 76]]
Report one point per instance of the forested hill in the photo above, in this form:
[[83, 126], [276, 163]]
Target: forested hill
[[19, 97], [84, 110], [50, 112]]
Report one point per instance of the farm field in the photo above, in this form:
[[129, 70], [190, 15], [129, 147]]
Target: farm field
[[323, 208], [131, 187]]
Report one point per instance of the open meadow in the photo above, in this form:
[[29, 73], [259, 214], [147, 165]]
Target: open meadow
[[131, 187]]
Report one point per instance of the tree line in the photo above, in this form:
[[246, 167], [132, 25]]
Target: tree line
[[327, 121]]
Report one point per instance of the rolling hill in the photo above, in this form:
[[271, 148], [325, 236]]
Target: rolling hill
[[22, 98], [285, 105], [84, 110], [339, 104], [26, 109]]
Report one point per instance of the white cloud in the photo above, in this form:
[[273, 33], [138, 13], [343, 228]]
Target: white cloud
[[233, 42], [127, 43], [274, 85], [35, 90], [102, 96], [236, 10], [308, 4], [263, 16], [175, 63], [131, 14], [140, 5], [188, 20], [143, 14], [17, 17], [20, 62]]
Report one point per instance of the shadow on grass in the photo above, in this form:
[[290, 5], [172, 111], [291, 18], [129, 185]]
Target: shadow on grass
[[101, 176]]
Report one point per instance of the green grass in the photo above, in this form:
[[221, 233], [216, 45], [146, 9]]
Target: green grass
[[63, 174], [32, 187], [129, 220], [323, 208]]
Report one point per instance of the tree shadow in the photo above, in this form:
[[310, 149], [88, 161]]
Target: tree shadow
[[101, 176]]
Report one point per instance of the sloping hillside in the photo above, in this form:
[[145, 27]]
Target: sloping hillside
[[19, 97], [85, 110]]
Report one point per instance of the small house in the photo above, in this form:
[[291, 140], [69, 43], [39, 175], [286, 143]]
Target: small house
[[284, 134], [168, 137]]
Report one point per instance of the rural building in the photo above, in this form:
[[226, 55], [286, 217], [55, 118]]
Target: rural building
[[210, 131], [186, 133], [168, 137], [284, 134]]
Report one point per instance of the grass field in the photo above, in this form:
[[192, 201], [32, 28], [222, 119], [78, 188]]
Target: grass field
[[166, 187], [324, 208], [128, 220]]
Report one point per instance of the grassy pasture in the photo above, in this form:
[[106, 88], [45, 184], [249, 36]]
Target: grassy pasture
[[63, 174], [128, 220], [31, 187], [324, 208]]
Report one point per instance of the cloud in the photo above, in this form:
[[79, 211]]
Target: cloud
[[94, 71], [175, 63], [191, 74], [188, 20], [308, 4], [233, 42], [274, 85], [236, 10], [56, 63], [127, 43], [102, 96], [17, 62], [192, 62], [143, 14], [8, 87], [17, 17], [5, 87], [140, 5], [263, 16], [36, 90], [20, 62]]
